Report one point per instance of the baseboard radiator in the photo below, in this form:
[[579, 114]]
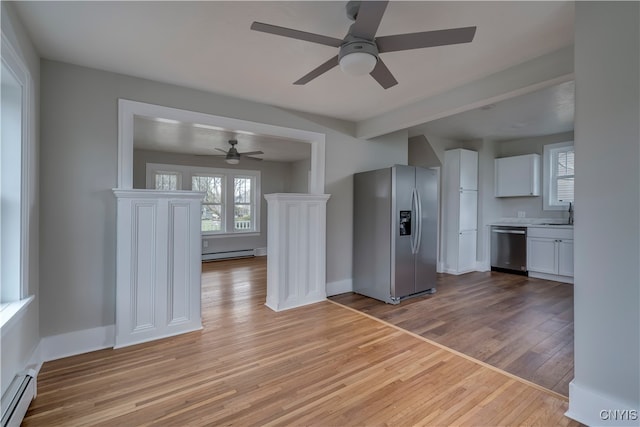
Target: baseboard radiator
[[17, 398], [242, 253]]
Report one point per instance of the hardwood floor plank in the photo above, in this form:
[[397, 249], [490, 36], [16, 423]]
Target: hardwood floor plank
[[322, 364], [518, 324]]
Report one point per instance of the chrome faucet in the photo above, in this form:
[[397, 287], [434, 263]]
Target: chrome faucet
[[570, 213]]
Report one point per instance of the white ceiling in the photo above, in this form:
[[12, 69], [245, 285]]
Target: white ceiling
[[544, 112], [209, 46], [160, 134]]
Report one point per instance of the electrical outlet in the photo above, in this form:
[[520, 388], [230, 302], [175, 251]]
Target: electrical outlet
[[205, 243], [521, 214]]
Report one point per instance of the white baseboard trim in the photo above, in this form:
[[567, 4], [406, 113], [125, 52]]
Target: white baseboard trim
[[596, 409], [339, 287], [553, 277], [457, 273], [482, 266], [273, 305], [260, 252], [78, 342]]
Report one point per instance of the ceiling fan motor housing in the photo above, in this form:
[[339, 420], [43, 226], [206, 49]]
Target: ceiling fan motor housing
[[353, 45]]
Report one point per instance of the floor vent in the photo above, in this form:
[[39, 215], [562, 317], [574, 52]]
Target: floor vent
[[243, 253], [17, 398]]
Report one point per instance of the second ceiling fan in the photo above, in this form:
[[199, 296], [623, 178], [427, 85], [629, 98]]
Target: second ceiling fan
[[360, 49], [233, 156]]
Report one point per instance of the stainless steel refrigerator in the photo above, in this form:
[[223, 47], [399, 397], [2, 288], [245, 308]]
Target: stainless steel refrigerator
[[395, 227]]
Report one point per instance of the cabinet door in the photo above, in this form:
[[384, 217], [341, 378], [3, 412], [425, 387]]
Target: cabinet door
[[468, 170], [542, 255], [467, 251], [468, 210], [517, 176], [565, 257]]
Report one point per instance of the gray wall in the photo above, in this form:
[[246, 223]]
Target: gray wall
[[275, 177], [79, 140], [421, 153], [299, 182], [20, 339], [607, 146]]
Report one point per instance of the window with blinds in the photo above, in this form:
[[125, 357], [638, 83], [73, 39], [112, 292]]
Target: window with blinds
[[559, 171], [563, 161]]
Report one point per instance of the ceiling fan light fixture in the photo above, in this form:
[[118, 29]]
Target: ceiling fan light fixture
[[358, 63], [232, 161]]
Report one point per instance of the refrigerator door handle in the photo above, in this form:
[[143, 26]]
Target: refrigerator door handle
[[414, 236], [419, 220]]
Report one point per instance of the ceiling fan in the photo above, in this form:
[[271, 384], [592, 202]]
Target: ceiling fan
[[233, 156], [360, 49]]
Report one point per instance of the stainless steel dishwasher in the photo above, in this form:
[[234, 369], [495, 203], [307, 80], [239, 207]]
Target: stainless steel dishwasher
[[509, 249]]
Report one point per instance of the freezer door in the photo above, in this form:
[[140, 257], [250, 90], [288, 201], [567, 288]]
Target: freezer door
[[426, 257], [403, 235]]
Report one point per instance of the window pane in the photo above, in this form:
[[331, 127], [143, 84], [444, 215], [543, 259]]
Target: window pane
[[565, 189], [211, 185], [242, 190], [211, 217], [166, 181], [242, 217], [565, 163]]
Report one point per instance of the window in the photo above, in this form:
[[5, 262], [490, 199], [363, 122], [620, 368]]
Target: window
[[242, 207], [167, 181], [16, 178], [212, 206], [559, 169], [231, 204]]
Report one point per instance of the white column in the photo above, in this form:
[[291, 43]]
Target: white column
[[158, 265], [296, 249]]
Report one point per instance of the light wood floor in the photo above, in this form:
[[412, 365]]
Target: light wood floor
[[322, 364], [519, 324]]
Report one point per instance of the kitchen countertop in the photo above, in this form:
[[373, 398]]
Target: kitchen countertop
[[533, 222]]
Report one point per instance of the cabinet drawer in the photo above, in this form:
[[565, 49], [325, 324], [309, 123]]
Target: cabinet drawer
[[550, 232]]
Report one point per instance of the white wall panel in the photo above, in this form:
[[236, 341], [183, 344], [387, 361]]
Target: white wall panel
[[296, 250], [158, 268]]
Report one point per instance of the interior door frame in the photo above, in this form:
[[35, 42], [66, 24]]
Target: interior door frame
[[127, 109]]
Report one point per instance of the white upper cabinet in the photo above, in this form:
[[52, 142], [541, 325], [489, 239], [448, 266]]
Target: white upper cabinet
[[468, 164], [517, 176]]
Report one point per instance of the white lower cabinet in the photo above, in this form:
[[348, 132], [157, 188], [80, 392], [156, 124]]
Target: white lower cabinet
[[542, 255], [565, 257], [550, 253]]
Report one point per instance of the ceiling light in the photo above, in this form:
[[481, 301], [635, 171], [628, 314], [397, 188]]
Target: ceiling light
[[244, 132], [170, 121], [358, 63], [198, 125], [232, 161]]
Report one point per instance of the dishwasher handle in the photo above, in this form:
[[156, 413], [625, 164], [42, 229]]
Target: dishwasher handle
[[509, 231]]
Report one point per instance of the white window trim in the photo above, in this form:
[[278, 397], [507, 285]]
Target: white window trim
[[15, 63], [127, 109], [548, 151], [187, 172]]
